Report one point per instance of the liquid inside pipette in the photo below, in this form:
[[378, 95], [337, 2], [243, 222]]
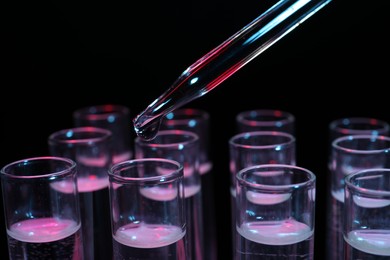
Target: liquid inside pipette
[[223, 61]]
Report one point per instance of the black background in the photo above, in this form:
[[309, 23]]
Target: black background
[[62, 55]]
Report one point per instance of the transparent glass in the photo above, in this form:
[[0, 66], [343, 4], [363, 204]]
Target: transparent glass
[[198, 121], [355, 126], [147, 210], [113, 117], [227, 58], [42, 211], [90, 148], [344, 127], [275, 212], [265, 120], [183, 147], [367, 214], [349, 154], [358, 126], [260, 147], [254, 148]]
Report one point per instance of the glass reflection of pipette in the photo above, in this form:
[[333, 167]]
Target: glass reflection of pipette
[[224, 60]]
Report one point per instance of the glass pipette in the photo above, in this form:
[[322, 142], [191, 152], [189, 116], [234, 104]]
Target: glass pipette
[[224, 60]]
